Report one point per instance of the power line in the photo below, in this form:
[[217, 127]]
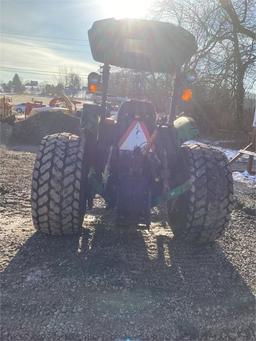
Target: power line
[[39, 72], [64, 66], [47, 73]]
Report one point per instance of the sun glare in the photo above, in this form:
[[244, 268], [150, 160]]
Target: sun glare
[[127, 8]]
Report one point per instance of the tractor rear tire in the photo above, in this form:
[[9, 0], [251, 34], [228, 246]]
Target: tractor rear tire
[[201, 214], [57, 193]]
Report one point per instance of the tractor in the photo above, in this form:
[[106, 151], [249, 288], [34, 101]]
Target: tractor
[[6, 113], [135, 162]]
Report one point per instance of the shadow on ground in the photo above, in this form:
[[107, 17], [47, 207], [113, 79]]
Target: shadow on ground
[[114, 284]]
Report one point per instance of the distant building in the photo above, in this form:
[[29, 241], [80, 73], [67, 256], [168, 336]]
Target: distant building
[[33, 89], [32, 83]]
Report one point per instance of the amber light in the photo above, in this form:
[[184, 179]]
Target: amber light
[[93, 88], [186, 95]]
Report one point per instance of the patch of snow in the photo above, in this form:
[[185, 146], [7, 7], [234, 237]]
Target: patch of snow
[[243, 177], [230, 153], [246, 178]]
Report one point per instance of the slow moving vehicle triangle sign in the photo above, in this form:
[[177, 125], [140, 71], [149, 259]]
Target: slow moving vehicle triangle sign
[[137, 135]]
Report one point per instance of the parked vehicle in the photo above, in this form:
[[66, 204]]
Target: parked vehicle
[[20, 108]]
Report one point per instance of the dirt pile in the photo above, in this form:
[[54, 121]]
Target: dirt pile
[[33, 129]]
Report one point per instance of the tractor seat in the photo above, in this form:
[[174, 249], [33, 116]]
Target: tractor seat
[[134, 109]]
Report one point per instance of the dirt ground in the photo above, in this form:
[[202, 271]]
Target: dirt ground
[[28, 98], [112, 284]]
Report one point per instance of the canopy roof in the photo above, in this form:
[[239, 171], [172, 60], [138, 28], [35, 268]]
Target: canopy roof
[[141, 44]]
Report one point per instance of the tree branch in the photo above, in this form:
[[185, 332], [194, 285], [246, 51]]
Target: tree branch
[[230, 10]]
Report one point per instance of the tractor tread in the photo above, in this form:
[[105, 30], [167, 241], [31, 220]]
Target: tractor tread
[[201, 214], [57, 185]]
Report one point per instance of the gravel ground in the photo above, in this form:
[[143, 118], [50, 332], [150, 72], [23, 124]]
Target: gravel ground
[[110, 284]]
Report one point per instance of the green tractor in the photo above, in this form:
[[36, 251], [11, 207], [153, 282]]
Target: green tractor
[[134, 162]]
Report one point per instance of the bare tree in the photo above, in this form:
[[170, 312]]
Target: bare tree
[[242, 18], [239, 21], [225, 33], [70, 80]]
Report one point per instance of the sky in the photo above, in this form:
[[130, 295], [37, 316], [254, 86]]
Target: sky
[[40, 39]]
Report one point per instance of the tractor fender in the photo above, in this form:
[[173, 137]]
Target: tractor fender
[[186, 128]]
